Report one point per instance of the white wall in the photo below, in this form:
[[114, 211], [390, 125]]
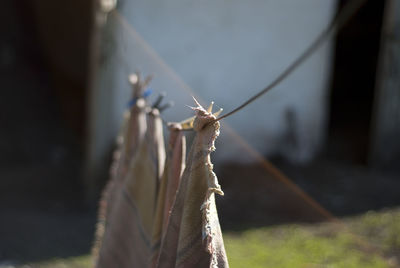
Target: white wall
[[227, 51]]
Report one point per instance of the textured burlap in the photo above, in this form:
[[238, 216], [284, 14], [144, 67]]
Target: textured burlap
[[129, 223], [133, 130], [175, 164], [193, 237]]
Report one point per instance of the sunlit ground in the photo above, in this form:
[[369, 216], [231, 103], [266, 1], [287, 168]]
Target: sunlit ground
[[369, 240], [372, 240]]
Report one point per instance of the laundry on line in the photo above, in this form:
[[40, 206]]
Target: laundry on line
[[158, 209]]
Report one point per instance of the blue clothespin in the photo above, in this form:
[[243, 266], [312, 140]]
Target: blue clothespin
[[145, 95]]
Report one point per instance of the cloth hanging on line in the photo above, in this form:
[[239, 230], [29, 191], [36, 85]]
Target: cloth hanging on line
[[132, 133], [127, 238], [174, 166], [148, 218], [193, 237], [136, 118]]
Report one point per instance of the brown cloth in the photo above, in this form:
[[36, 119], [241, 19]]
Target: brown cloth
[[174, 166], [131, 135], [129, 223], [193, 237]]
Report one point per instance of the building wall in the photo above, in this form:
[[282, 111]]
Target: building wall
[[226, 51]]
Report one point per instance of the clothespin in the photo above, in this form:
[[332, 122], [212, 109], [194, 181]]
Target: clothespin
[[187, 124], [139, 88], [138, 84], [145, 94], [157, 104], [166, 106], [158, 101]]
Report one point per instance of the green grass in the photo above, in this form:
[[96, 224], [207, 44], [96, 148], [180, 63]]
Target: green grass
[[296, 246], [72, 262], [369, 240]]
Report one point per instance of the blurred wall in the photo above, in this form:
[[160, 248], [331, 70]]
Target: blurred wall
[[225, 51]]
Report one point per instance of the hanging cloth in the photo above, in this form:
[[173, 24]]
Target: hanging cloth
[[193, 237], [133, 132], [131, 135], [127, 239], [174, 166]]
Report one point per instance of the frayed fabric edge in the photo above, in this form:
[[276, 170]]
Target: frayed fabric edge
[[207, 214]]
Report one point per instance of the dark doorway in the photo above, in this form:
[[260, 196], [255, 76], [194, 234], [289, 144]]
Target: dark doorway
[[43, 60], [353, 83]]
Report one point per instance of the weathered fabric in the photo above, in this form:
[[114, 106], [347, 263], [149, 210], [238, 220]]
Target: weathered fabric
[[131, 135], [174, 166], [193, 237], [129, 224]]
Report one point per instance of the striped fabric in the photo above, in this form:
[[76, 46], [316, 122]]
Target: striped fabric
[[193, 237]]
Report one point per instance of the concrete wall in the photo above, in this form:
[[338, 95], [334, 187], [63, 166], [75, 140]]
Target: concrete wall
[[226, 51]]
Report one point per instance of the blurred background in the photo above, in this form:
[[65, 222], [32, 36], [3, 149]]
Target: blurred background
[[311, 171]]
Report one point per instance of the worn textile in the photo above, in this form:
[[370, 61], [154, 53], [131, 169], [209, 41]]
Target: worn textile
[[131, 135], [127, 238], [174, 166], [193, 237]]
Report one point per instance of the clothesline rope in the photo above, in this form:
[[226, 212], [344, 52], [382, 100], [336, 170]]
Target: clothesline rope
[[264, 163], [341, 19]]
